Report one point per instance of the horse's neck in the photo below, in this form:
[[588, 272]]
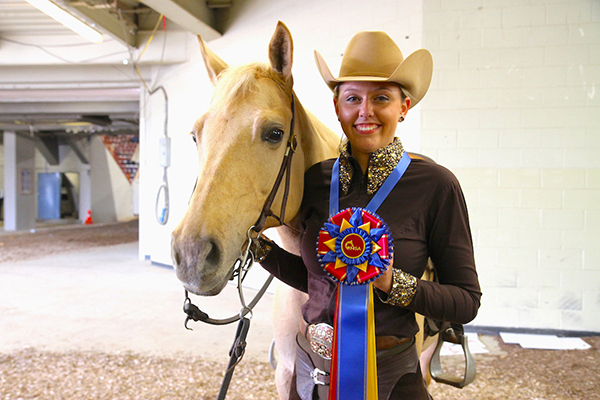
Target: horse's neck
[[318, 141]]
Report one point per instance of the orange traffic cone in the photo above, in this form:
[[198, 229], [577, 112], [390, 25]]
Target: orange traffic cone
[[88, 220]]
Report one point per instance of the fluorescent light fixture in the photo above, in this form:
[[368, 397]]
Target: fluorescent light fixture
[[67, 19]]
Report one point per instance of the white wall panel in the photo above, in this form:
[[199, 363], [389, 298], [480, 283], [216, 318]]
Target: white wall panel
[[536, 173]]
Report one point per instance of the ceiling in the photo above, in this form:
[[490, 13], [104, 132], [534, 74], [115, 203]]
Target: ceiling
[[53, 83]]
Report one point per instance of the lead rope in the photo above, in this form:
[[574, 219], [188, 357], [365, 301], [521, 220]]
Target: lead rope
[[243, 265], [238, 348]]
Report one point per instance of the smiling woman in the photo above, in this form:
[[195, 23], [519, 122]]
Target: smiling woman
[[359, 298], [369, 113]]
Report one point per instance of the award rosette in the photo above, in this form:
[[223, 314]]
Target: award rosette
[[355, 246]]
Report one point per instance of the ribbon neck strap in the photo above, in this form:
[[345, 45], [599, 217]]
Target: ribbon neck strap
[[380, 196]]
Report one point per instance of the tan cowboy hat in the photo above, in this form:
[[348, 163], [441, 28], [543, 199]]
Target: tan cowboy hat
[[374, 57]]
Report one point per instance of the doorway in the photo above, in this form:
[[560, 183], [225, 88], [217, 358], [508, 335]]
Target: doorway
[[58, 195]]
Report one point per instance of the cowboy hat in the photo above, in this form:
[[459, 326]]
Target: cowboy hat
[[374, 57]]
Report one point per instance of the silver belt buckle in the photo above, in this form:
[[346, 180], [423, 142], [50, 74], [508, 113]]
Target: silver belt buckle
[[320, 337], [319, 377]]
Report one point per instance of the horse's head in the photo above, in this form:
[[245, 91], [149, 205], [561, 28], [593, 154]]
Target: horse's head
[[241, 141]]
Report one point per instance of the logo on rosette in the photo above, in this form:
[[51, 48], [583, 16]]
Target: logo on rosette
[[353, 245]]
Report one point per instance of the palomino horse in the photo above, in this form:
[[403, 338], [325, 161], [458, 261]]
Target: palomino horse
[[241, 142]]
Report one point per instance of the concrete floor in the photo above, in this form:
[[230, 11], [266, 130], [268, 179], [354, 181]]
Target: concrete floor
[[106, 299], [41, 224]]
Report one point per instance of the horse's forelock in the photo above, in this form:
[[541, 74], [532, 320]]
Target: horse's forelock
[[237, 83]]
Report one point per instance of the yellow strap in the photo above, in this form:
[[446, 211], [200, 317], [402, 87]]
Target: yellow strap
[[372, 393]]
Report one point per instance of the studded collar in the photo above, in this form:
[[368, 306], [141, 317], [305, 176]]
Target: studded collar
[[381, 164]]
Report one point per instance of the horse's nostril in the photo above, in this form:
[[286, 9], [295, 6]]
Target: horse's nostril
[[176, 257], [213, 254], [175, 249]]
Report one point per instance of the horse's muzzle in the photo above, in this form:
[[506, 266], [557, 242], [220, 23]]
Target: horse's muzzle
[[198, 265]]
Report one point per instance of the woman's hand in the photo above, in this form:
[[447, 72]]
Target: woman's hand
[[384, 282]]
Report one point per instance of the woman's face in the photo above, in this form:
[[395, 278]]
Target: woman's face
[[369, 113]]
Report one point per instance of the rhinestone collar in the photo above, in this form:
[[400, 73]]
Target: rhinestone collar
[[381, 164]]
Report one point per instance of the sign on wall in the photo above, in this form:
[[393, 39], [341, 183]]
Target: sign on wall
[[25, 180]]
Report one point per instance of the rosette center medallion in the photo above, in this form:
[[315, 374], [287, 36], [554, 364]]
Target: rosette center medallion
[[353, 246]]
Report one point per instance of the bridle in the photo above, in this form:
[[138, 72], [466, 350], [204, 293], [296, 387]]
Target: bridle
[[247, 257], [243, 264]]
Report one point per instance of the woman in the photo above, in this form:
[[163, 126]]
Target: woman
[[425, 212]]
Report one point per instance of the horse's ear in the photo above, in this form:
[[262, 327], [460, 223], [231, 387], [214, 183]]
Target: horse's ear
[[214, 65], [281, 50]]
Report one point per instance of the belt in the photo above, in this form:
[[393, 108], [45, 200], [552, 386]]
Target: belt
[[320, 337], [387, 342]]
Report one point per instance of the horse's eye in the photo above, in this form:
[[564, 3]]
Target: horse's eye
[[274, 135]]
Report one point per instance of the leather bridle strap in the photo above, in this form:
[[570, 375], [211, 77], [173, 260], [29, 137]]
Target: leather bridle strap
[[285, 169]]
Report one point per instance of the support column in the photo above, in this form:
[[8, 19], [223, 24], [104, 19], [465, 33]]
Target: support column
[[19, 182]]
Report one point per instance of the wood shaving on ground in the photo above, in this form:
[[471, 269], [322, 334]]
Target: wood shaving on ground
[[31, 374], [518, 374]]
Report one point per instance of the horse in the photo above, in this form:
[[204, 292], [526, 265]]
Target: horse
[[241, 142]]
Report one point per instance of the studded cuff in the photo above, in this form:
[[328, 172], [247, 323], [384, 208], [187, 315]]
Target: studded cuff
[[261, 248], [404, 287]]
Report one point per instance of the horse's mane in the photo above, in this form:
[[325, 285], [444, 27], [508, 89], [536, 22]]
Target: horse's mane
[[238, 82]]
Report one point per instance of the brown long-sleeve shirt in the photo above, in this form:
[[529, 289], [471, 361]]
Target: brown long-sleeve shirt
[[427, 215]]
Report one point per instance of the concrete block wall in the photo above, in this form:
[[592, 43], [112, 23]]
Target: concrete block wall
[[513, 111]]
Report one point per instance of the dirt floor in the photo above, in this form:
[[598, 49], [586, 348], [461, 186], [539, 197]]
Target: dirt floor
[[64, 238], [31, 374]]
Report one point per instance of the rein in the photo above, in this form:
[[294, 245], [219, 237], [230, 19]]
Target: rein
[[243, 264]]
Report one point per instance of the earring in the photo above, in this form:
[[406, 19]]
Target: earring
[[401, 118]]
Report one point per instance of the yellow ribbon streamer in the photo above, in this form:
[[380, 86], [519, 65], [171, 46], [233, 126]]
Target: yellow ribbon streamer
[[372, 393]]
